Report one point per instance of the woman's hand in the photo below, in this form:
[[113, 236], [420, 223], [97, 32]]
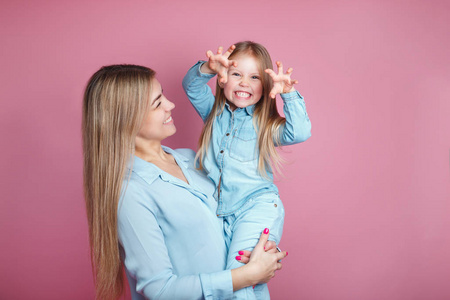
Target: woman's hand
[[282, 83], [219, 63], [261, 267], [244, 255]]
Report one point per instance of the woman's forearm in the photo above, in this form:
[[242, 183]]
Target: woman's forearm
[[242, 277]]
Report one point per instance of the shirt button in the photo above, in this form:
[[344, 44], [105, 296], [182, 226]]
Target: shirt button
[[275, 205], [227, 134], [221, 151]]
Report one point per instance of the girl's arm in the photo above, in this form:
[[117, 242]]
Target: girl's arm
[[298, 127], [195, 81], [147, 259], [199, 93]]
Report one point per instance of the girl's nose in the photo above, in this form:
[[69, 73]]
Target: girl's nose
[[243, 82]]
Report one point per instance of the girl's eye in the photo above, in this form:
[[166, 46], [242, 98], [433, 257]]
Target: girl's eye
[[255, 77], [159, 103], [235, 74]]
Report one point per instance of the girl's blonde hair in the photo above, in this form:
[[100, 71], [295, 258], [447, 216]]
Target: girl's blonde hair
[[266, 118], [114, 105]]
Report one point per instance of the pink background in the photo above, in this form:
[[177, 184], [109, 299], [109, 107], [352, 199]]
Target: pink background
[[367, 197]]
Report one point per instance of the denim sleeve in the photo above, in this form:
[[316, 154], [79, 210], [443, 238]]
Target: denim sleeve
[[199, 93], [298, 127], [148, 261]]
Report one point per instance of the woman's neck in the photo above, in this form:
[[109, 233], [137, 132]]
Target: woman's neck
[[151, 151]]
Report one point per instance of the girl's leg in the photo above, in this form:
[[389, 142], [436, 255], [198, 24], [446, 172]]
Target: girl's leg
[[245, 227]]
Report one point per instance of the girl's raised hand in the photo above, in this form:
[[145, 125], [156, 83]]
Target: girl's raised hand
[[219, 63], [282, 83]]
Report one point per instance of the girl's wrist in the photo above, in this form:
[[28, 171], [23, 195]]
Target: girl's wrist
[[204, 68], [290, 91]]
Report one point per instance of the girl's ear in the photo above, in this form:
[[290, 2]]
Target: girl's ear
[[220, 84]]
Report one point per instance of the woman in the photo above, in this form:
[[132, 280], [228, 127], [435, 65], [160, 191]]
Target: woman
[[148, 207]]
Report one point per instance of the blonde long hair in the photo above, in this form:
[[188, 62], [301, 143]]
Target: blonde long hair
[[114, 105], [266, 118]]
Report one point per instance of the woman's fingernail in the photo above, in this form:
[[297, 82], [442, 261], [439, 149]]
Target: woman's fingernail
[[286, 253], [241, 252], [238, 257], [264, 248], [266, 231]]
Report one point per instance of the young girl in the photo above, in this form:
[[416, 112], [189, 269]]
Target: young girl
[[237, 144]]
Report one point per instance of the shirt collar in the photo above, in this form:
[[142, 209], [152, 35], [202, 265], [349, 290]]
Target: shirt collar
[[249, 109], [148, 171]]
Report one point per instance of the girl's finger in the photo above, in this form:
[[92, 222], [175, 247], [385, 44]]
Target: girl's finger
[[279, 266], [209, 53], [233, 63], [229, 51], [280, 67], [271, 73], [289, 71], [219, 50], [223, 77]]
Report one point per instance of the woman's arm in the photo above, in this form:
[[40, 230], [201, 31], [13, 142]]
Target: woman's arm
[[261, 266], [148, 259]]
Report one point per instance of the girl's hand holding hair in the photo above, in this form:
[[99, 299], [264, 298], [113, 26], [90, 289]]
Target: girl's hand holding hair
[[219, 63], [261, 267], [282, 83]]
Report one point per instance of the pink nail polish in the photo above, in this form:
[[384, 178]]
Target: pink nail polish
[[286, 253], [238, 257], [241, 252], [264, 248], [266, 231]]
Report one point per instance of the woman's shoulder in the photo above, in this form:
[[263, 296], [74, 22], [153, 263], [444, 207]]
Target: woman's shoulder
[[186, 152]]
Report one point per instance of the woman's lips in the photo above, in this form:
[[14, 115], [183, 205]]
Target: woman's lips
[[168, 120]]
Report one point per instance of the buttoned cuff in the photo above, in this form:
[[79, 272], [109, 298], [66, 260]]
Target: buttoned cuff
[[200, 73], [294, 95], [217, 285]]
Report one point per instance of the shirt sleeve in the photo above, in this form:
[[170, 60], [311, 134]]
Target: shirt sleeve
[[148, 261], [197, 90], [298, 127]]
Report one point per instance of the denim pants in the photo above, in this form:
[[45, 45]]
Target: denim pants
[[243, 230]]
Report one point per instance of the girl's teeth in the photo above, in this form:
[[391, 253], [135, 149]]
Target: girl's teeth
[[242, 94], [168, 120]]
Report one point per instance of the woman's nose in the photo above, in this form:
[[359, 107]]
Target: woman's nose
[[170, 105]]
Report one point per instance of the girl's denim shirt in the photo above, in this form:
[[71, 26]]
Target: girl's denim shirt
[[232, 156]]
